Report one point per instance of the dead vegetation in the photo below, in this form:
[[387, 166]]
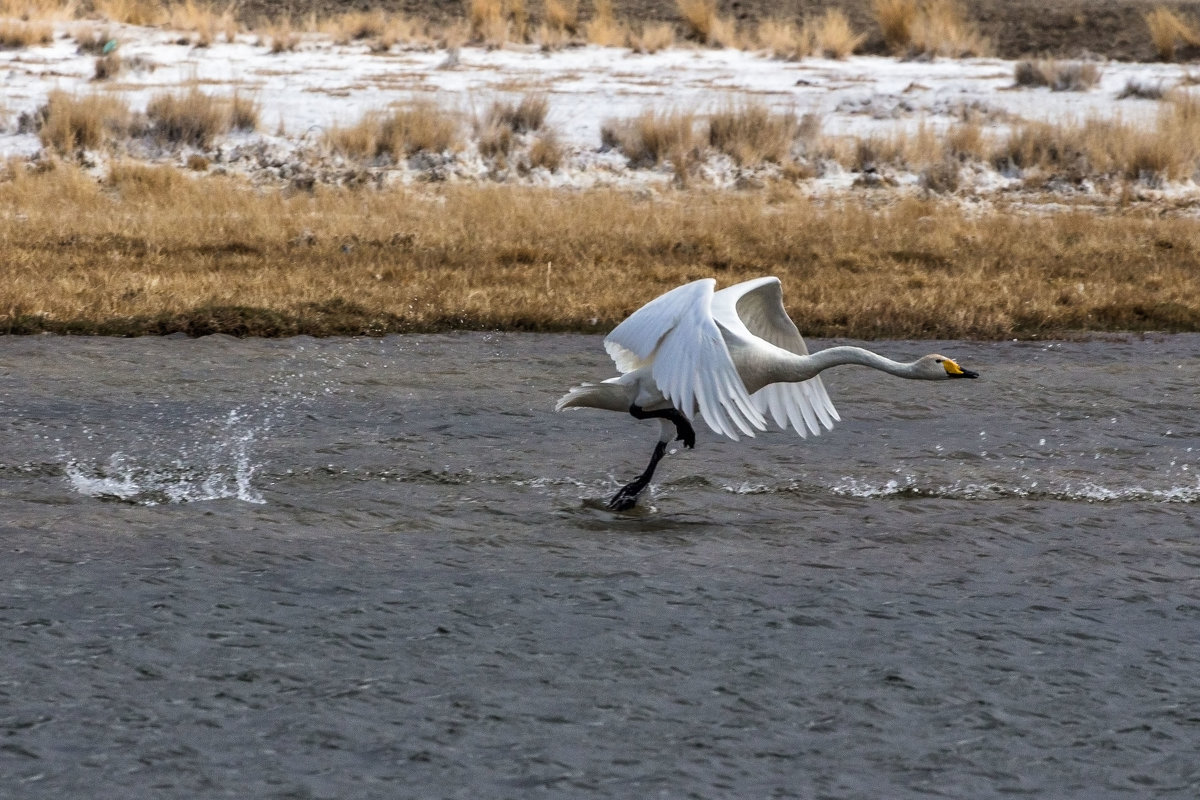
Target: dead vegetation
[[1169, 31], [195, 118], [913, 28], [1060, 76], [15, 33], [154, 250], [69, 123], [399, 133]]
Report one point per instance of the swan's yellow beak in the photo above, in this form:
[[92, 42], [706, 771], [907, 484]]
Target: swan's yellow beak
[[955, 371]]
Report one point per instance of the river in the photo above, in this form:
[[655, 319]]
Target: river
[[332, 568]]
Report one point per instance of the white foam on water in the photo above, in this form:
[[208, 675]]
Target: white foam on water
[[967, 490], [220, 469]]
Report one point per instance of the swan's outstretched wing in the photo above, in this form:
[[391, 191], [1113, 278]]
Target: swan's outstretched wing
[[676, 337], [758, 306]]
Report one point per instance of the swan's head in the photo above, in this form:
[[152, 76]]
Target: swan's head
[[936, 367]]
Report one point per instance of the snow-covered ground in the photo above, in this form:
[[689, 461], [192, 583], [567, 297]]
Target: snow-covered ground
[[304, 92]]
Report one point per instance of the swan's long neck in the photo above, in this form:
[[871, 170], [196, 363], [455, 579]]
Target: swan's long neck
[[837, 356], [792, 368]]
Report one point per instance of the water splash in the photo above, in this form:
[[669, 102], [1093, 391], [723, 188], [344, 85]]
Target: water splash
[[218, 469], [1037, 490]]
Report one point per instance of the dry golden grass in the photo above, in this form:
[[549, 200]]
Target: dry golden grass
[[942, 29], [189, 118], [546, 152], [355, 25], [560, 23], [752, 134], [1105, 149], [525, 116], [204, 20], [39, 10], [380, 29], [279, 36], [603, 29], [399, 133], [785, 39], [655, 137], [1168, 30], [495, 22], [1060, 76], [131, 12], [69, 123], [913, 28], [699, 18], [244, 112], [107, 67], [833, 37], [152, 252], [550, 38], [561, 15], [654, 36], [897, 20], [17, 34]]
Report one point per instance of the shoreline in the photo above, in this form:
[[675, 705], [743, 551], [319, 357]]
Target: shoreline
[[219, 256]]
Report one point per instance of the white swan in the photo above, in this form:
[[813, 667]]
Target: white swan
[[734, 357]]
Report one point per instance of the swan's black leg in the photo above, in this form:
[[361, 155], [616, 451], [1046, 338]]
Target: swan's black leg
[[627, 497], [687, 434]]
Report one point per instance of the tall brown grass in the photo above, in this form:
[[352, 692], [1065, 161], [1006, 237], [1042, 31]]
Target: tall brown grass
[[546, 152], [279, 36], [832, 35], [913, 28], [655, 137], [1061, 76], [17, 34], [143, 13], [603, 29], [196, 118], [785, 39], [203, 19], [1168, 31], [152, 252], [897, 20], [69, 122], [498, 128], [42, 11], [377, 27], [652, 37], [1098, 149], [495, 22], [560, 23], [752, 134], [399, 133]]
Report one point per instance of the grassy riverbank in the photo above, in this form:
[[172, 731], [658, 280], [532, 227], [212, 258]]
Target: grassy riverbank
[[152, 250]]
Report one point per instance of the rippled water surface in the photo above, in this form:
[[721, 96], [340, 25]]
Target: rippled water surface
[[382, 568]]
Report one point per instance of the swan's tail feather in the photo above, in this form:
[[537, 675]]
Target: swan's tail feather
[[607, 396]]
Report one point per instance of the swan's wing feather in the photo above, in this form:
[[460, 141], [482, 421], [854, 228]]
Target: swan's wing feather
[[676, 336], [632, 343], [759, 306], [693, 369]]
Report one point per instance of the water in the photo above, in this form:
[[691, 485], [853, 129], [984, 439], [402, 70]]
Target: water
[[381, 568]]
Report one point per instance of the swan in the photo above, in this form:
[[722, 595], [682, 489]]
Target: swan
[[733, 356]]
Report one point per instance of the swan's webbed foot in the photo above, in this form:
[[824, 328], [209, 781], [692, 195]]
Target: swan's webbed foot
[[627, 497]]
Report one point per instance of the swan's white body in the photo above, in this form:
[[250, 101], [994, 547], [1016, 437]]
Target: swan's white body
[[733, 356]]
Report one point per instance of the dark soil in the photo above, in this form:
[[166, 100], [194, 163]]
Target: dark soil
[[1113, 29]]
